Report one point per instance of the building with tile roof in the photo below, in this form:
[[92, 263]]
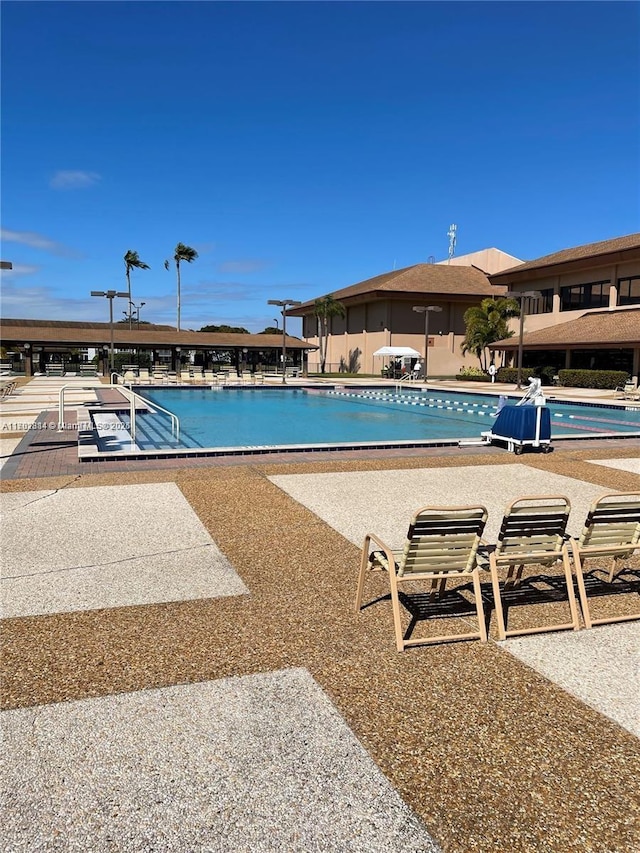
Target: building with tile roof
[[379, 313], [38, 342], [587, 314]]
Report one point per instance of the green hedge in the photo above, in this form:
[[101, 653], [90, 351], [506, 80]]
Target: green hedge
[[507, 374], [510, 374], [473, 377], [592, 378]]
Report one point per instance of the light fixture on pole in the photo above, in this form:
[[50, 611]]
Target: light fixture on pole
[[135, 310], [275, 320], [520, 297], [284, 304], [110, 295], [426, 310]]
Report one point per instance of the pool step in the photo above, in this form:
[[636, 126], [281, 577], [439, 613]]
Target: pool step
[[153, 432]]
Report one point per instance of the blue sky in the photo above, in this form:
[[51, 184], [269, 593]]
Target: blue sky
[[302, 147]]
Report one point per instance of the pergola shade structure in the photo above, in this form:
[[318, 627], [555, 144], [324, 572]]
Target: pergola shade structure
[[46, 337]]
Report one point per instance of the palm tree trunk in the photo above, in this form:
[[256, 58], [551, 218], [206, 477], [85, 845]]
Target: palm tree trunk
[[320, 348], [178, 277], [129, 293]]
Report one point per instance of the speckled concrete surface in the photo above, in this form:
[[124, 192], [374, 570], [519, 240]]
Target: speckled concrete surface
[[108, 546], [631, 465], [382, 502], [489, 753], [601, 667], [242, 764], [7, 446]]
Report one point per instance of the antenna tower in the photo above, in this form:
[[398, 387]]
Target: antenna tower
[[451, 234]]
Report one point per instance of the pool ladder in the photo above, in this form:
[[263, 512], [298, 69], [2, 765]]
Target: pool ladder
[[132, 398]]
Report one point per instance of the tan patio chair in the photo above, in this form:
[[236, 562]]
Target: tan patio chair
[[441, 545], [628, 391], [611, 530], [532, 534]]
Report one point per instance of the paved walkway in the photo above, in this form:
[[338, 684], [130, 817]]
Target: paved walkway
[[183, 669]]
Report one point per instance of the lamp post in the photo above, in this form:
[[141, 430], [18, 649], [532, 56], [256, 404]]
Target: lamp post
[[284, 304], [134, 311], [110, 295], [426, 310], [520, 296], [275, 320], [27, 359]]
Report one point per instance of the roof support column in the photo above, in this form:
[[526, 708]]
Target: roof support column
[[28, 368]]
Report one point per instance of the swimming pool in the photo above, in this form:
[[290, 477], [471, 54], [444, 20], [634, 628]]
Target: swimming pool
[[309, 417]]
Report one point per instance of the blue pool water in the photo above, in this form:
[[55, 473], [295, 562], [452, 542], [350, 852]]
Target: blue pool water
[[273, 417]]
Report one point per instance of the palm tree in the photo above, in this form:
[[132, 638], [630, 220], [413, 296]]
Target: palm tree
[[132, 261], [324, 309], [487, 323], [182, 253]]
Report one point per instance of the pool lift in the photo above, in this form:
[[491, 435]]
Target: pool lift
[[527, 424]]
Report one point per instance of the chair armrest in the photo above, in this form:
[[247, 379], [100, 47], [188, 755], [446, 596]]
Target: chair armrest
[[370, 539], [482, 555]]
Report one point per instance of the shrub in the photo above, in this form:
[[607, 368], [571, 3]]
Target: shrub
[[472, 371], [507, 374], [510, 374], [592, 378], [473, 374]]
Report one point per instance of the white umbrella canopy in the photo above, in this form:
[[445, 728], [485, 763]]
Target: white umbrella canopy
[[397, 352]]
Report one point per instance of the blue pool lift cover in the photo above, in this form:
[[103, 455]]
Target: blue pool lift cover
[[520, 423]]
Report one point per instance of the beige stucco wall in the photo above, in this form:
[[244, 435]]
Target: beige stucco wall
[[367, 328], [533, 322], [490, 261]]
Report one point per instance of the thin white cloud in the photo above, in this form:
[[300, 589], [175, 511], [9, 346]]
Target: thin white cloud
[[73, 180], [35, 241], [19, 270], [243, 267]]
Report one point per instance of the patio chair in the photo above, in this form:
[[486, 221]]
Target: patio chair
[[628, 391], [441, 545], [611, 530], [532, 534]]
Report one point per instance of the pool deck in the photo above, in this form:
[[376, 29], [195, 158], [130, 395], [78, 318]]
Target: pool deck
[[183, 669]]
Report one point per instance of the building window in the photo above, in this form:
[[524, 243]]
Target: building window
[[592, 295], [544, 305], [629, 290]]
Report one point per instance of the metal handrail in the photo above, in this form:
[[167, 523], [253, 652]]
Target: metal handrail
[[175, 421]]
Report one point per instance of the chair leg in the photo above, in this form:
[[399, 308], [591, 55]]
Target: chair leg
[[395, 603], [584, 603], [570, 593], [497, 599], [364, 564], [477, 589]]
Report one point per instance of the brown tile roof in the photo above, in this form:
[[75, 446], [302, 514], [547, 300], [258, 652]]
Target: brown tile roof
[[434, 279], [96, 334], [597, 328], [578, 253], [78, 324]]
